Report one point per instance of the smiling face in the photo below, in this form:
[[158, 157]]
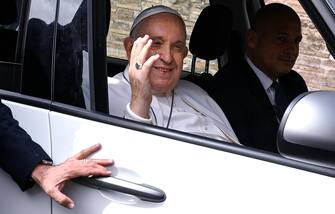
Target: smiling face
[[274, 45], [168, 35]]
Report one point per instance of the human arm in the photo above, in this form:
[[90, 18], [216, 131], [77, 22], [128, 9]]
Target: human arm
[[129, 114], [21, 158], [53, 178], [141, 94], [19, 155]]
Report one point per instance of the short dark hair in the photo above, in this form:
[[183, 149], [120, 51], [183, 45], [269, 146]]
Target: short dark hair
[[269, 11]]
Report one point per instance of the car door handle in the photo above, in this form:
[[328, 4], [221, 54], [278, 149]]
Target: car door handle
[[144, 192]]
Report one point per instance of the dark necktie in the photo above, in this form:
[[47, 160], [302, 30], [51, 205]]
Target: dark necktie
[[281, 102]]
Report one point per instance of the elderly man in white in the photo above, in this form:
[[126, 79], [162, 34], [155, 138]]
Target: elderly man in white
[[149, 89]]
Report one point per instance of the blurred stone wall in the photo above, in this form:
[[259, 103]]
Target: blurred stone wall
[[314, 63]]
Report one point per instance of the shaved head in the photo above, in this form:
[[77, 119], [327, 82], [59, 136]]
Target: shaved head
[[267, 14]]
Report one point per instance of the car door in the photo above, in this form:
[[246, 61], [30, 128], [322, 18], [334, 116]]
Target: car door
[[35, 121], [196, 174]]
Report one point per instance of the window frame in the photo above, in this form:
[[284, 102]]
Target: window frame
[[97, 55], [11, 70], [320, 14]]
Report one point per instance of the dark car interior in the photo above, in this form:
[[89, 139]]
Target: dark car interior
[[9, 68], [209, 42]]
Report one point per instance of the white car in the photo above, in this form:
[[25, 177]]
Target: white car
[[60, 45]]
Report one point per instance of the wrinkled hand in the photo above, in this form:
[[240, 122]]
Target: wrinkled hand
[[140, 78], [52, 178]]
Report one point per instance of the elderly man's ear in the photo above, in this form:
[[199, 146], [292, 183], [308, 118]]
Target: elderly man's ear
[[186, 51], [128, 45]]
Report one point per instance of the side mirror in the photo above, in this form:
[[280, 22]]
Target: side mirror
[[307, 130]]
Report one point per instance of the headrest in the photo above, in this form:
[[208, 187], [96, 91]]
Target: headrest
[[211, 32], [8, 12]]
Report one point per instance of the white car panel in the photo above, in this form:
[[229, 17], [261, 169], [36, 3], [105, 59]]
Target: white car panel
[[194, 178], [35, 121]]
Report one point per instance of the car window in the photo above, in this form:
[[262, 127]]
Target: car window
[[71, 84], [37, 62], [315, 63], [122, 16], [10, 61], [55, 64]]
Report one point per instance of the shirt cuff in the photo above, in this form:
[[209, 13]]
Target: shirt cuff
[[132, 116]]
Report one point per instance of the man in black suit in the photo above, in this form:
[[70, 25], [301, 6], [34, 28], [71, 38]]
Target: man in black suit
[[255, 92], [27, 163]]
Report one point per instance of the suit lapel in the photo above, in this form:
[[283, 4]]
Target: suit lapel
[[255, 86]]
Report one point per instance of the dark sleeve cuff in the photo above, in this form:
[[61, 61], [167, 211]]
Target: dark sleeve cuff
[[25, 166], [19, 154]]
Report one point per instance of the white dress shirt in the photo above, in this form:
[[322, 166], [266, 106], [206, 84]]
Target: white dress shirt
[[265, 80]]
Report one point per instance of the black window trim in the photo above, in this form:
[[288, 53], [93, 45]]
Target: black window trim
[[22, 32], [97, 55], [25, 99], [319, 23]]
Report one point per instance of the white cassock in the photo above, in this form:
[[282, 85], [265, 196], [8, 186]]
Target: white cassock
[[193, 110]]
